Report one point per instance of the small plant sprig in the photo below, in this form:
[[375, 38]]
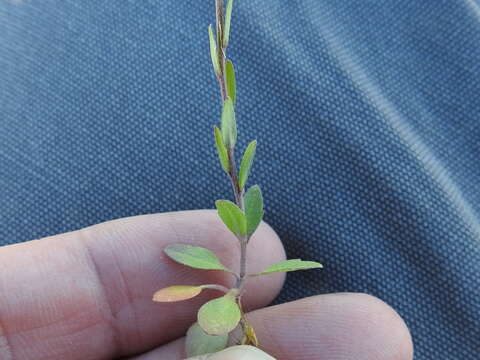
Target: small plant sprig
[[219, 318]]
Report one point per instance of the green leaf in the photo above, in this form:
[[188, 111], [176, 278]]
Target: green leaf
[[219, 316], [231, 82], [229, 124], [246, 163], [253, 208], [222, 150], [232, 217], [195, 257], [290, 265], [228, 22], [213, 50], [198, 342], [177, 293]]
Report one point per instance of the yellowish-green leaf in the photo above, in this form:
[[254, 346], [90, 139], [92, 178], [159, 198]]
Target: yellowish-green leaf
[[198, 342], [229, 124], [291, 265], [213, 50], [232, 216], [221, 150], [253, 208], [231, 81], [246, 164], [219, 316], [195, 257], [177, 293], [228, 22]]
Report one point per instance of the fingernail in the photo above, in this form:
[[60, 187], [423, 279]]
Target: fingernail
[[242, 352]]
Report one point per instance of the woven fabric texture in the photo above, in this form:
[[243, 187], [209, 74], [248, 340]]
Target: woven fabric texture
[[366, 113]]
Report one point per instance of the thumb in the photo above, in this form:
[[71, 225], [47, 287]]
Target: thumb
[[237, 353]]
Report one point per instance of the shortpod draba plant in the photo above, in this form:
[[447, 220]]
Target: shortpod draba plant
[[218, 318]]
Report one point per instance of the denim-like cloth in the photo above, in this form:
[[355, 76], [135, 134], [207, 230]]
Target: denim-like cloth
[[366, 113]]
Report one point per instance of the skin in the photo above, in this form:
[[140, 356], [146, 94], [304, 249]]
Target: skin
[[87, 295], [237, 353]]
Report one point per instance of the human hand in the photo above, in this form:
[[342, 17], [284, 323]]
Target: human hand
[[88, 295]]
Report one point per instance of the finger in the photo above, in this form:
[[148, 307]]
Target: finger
[[237, 353], [334, 327], [88, 294]]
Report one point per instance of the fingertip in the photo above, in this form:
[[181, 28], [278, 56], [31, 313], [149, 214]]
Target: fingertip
[[391, 329], [340, 326], [237, 353]]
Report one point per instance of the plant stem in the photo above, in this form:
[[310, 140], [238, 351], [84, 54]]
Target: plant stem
[[243, 263], [238, 193], [219, 12], [243, 240], [237, 190], [221, 51]]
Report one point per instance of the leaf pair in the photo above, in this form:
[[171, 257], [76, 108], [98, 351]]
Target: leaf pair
[[229, 69], [226, 137], [247, 159], [226, 31], [239, 222]]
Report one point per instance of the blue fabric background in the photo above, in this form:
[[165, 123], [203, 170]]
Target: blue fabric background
[[366, 113]]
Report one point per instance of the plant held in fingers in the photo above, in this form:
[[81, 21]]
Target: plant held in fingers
[[218, 318]]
